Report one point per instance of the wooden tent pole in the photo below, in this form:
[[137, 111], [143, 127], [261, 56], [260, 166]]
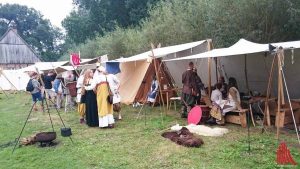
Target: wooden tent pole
[[216, 67], [280, 96], [209, 77], [267, 110], [246, 75], [281, 80], [209, 47], [157, 77]]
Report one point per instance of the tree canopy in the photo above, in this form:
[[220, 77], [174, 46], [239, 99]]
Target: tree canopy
[[172, 22], [95, 17], [36, 31]]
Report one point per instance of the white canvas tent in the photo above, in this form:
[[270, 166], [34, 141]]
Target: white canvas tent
[[43, 66], [134, 69], [256, 60], [17, 78]]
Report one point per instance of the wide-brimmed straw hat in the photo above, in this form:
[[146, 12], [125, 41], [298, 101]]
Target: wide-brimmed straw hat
[[33, 74]]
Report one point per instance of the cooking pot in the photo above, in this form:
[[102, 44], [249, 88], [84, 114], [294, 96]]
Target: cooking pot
[[66, 132], [45, 136]]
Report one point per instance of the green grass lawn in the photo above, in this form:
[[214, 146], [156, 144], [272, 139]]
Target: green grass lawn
[[132, 144]]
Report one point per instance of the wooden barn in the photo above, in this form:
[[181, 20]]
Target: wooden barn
[[15, 53]]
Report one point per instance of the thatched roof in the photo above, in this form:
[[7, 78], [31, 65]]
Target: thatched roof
[[14, 50]]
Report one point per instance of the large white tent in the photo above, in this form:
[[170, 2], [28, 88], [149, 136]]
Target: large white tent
[[161, 52], [253, 60], [134, 68], [13, 80], [18, 79], [43, 66]]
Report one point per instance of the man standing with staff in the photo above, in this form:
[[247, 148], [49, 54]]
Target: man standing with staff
[[188, 90]]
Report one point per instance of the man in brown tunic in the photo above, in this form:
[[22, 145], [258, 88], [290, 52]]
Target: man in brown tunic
[[189, 90]]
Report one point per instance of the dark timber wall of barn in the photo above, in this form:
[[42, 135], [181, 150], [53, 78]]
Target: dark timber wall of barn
[[15, 52]]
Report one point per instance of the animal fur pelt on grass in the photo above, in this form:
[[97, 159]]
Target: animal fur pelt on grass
[[202, 130], [183, 137], [28, 141]]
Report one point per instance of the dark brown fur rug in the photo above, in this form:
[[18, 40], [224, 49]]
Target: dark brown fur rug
[[183, 137]]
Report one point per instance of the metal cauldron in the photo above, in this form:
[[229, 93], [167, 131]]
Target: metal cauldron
[[66, 132], [45, 137]]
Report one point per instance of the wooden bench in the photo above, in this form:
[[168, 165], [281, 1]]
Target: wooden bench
[[240, 117], [285, 114]]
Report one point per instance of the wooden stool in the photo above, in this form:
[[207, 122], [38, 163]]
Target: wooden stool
[[173, 99]]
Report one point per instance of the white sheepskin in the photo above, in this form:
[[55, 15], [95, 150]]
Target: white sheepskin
[[203, 130]]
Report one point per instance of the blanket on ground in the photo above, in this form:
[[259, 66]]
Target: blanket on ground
[[183, 137], [202, 130]]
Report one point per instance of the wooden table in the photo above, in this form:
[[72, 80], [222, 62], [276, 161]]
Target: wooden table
[[167, 93], [257, 99]]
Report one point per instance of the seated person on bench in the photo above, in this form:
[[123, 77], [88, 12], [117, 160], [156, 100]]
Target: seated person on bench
[[216, 95], [233, 102], [153, 91]]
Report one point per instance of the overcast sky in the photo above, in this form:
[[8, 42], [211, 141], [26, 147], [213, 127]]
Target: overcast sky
[[54, 10]]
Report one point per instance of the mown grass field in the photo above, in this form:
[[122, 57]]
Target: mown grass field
[[132, 144]]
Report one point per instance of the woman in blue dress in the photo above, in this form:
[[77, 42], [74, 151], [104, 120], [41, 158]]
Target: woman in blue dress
[[153, 90]]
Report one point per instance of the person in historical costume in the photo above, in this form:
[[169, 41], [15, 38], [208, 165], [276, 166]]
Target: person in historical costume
[[233, 102], [80, 98], [216, 95], [97, 72], [105, 109], [58, 89], [91, 110], [36, 92], [189, 90], [224, 88], [114, 83], [48, 81], [199, 87], [69, 80], [234, 99], [153, 90]]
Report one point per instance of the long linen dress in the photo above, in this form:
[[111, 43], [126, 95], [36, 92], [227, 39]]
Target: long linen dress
[[114, 84], [153, 91], [91, 106], [234, 101], [224, 106], [105, 110], [81, 105]]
